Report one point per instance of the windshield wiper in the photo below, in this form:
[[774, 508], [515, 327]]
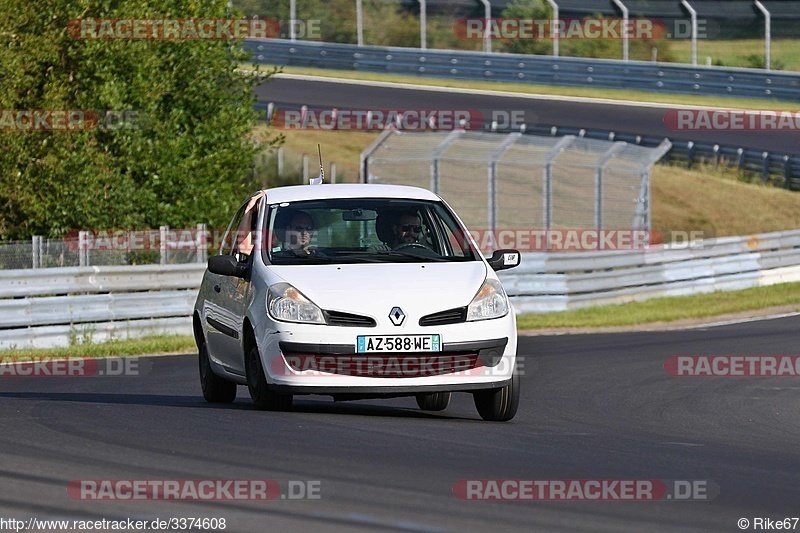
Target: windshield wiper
[[306, 258], [394, 253]]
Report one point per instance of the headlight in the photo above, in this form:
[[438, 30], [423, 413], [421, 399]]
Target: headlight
[[490, 302], [287, 304]]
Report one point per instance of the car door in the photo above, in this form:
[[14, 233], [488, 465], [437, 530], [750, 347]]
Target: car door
[[225, 305]]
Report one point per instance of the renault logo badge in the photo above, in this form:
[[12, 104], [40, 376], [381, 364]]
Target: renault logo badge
[[396, 315]]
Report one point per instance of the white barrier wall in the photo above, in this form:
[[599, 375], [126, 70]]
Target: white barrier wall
[[558, 281], [56, 306]]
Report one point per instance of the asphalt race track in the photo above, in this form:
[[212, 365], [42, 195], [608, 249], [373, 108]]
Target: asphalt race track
[[639, 119], [597, 406]]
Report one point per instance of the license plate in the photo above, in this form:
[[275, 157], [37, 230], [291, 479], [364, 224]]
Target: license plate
[[399, 343]]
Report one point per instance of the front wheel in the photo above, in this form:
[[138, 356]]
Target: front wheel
[[215, 389], [499, 405], [433, 401], [263, 398]]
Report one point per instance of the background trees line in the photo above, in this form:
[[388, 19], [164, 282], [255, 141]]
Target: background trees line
[[189, 162], [397, 24]]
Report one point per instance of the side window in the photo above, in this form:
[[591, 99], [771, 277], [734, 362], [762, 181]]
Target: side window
[[452, 240], [231, 238], [245, 231], [239, 237]]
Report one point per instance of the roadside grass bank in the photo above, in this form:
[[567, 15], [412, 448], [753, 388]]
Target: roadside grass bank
[[157, 344], [668, 309]]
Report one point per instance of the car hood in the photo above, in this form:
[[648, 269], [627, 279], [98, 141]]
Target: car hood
[[373, 289]]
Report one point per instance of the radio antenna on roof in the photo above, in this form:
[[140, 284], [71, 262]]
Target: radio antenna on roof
[[321, 178]]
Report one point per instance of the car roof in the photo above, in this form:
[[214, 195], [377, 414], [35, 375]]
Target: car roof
[[346, 190]]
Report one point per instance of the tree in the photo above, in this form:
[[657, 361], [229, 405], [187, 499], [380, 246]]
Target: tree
[[183, 152], [640, 49], [528, 10]]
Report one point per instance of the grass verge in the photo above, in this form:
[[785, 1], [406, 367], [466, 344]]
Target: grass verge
[[533, 89], [737, 53], [668, 309], [157, 344]]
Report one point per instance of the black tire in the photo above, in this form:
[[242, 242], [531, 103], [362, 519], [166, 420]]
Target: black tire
[[433, 401], [215, 388], [263, 398], [499, 405]]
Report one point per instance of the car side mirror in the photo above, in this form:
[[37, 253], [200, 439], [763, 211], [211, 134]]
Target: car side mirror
[[227, 265], [503, 259]]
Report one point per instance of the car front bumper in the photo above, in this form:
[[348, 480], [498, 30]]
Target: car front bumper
[[309, 359]]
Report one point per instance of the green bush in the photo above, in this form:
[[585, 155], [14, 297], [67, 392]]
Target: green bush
[[189, 162]]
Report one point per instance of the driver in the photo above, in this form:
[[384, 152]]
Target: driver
[[407, 229], [299, 233]]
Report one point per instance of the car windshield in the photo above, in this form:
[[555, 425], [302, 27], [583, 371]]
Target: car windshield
[[364, 230]]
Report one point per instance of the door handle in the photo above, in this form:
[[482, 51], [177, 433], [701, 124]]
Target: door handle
[[217, 288]]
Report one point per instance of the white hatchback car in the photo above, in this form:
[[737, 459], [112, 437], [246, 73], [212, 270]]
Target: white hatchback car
[[356, 291]]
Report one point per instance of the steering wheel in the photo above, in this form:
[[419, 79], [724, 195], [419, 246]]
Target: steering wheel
[[408, 245]]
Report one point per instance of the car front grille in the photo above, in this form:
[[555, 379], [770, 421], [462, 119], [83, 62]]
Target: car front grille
[[337, 318], [395, 365], [451, 316]]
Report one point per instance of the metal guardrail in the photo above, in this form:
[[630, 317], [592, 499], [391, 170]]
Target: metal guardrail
[[558, 281], [49, 307], [548, 70], [107, 302]]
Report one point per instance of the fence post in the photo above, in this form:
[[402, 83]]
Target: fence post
[[547, 185], [333, 172], [765, 167], [598, 181], [363, 167], [787, 172], [624, 10], [437, 153], [280, 162], [202, 243], [492, 179], [83, 248], [162, 233], [36, 248], [305, 168], [767, 33], [554, 26], [292, 19]]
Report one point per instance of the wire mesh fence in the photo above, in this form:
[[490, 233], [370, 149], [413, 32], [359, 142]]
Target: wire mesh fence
[[104, 248], [498, 181]]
